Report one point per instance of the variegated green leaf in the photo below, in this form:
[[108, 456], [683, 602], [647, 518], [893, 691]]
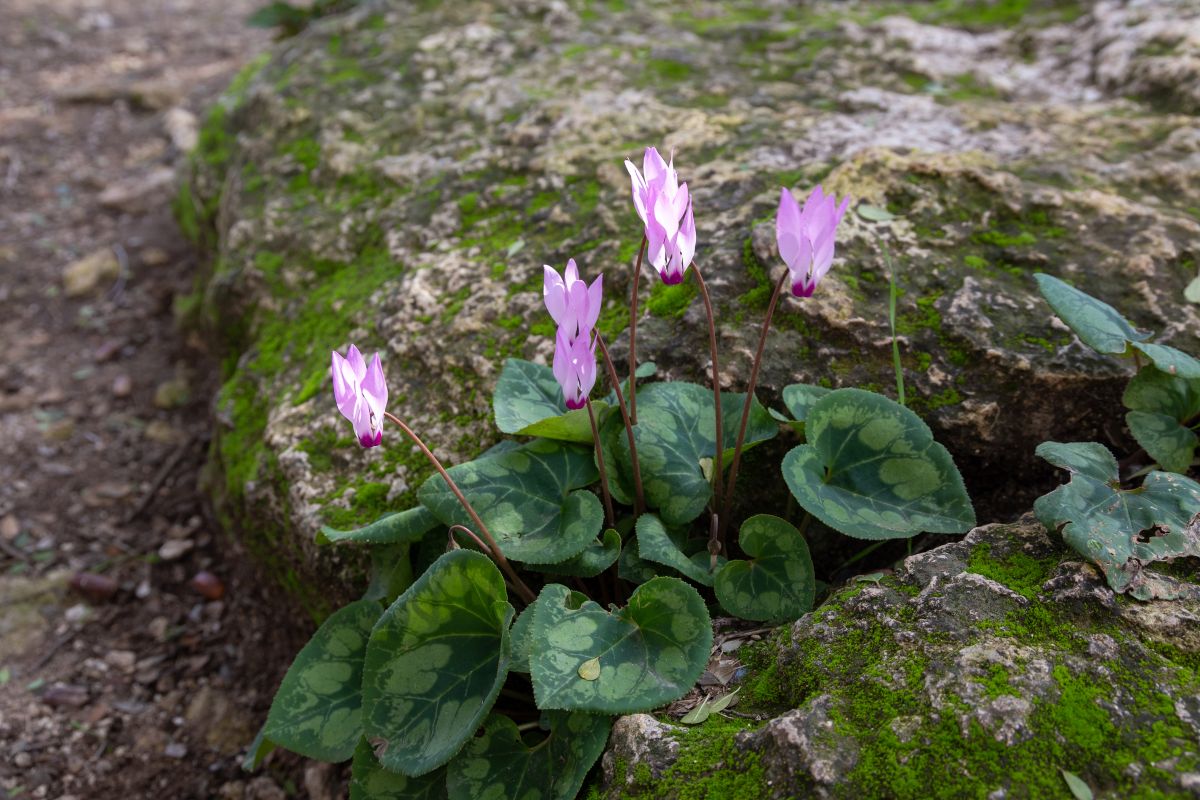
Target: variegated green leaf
[[778, 583], [498, 764], [1162, 409], [656, 544], [648, 653], [404, 527], [799, 398], [1096, 323], [370, 781], [529, 402], [675, 431], [317, 711], [525, 497], [1123, 531], [872, 470], [436, 662], [596, 557]]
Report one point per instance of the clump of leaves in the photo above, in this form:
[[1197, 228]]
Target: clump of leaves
[[1124, 530]]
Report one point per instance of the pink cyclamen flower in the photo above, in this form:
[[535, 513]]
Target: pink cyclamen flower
[[806, 236], [361, 394], [575, 367], [572, 304], [665, 207]]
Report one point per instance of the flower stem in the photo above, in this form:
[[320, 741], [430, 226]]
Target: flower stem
[[608, 506], [893, 293], [633, 318], [741, 437], [639, 498], [719, 429], [526, 593]]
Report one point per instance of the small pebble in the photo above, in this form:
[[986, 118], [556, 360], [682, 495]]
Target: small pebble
[[122, 386], [174, 548], [175, 750], [93, 586], [208, 585]]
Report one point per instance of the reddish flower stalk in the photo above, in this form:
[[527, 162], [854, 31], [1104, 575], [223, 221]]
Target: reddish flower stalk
[[719, 435], [608, 506], [741, 437], [497, 555], [639, 496], [633, 318]]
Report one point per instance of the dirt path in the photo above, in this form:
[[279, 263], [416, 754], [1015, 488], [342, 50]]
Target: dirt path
[[148, 682]]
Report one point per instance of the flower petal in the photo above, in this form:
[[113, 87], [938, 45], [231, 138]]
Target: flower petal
[[595, 303], [357, 364], [374, 389], [554, 294]]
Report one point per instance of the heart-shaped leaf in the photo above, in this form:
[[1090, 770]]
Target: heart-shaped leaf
[[675, 431], [529, 402], [655, 544], [596, 557], [1162, 406], [403, 527], [391, 572], [435, 663], [800, 397], [872, 470], [1096, 323], [646, 370], [1171, 361], [614, 445], [1123, 531], [499, 764], [778, 583], [259, 749], [650, 652], [317, 711], [525, 498], [369, 781]]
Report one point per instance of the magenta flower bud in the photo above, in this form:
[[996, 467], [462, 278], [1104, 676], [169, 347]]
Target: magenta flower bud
[[573, 305], [361, 394], [665, 208], [575, 367], [806, 236]]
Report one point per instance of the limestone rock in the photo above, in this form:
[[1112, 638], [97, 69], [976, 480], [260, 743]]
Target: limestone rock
[[397, 176], [967, 673]]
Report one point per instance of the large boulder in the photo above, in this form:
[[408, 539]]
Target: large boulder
[[397, 176], [982, 668]]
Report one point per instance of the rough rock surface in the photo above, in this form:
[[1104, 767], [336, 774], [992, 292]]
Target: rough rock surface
[[397, 177], [979, 669]]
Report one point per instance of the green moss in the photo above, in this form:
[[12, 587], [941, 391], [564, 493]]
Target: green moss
[[369, 503], [663, 69], [710, 766], [1017, 571], [671, 301], [760, 295]]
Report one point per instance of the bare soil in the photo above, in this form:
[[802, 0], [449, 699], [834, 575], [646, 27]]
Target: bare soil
[[122, 674]]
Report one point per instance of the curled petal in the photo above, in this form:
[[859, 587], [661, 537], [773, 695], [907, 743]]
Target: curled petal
[[343, 384], [374, 389], [554, 294], [595, 302], [687, 239], [653, 166], [562, 360]]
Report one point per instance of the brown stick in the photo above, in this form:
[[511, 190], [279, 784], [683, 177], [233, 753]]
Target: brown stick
[[639, 499], [719, 436], [608, 506], [497, 555], [633, 318], [737, 448]]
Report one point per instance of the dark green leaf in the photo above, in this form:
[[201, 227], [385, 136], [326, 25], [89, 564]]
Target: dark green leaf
[[597, 557], [1086, 458], [799, 398], [369, 781], [317, 711], [499, 764], [436, 662], [529, 402], [646, 370], [1161, 404], [873, 471], [1096, 323], [525, 498], [650, 652], [1123, 531], [391, 573], [708, 707], [778, 584], [631, 567], [675, 431], [403, 527], [655, 544], [614, 444]]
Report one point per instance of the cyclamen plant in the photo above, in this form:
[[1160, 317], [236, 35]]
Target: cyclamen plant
[[492, 670]]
